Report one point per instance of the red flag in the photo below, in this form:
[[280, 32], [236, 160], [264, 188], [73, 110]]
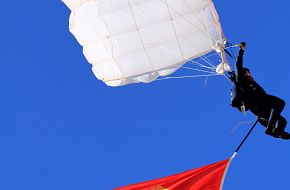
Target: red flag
[[204, 178]]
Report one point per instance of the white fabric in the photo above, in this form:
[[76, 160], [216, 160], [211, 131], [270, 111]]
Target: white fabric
[[222, 67], [130, 41]]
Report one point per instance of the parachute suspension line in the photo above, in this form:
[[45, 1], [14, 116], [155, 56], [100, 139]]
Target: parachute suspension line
[[241, 144], [192, 62], [206, 79], [183, 77], [206, 60], [211, 69], [189, 68], [209, 55]]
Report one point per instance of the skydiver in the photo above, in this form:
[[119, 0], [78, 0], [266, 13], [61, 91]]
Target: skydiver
[[247, 94]]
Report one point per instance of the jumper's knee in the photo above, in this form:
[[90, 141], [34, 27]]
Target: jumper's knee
[[283, 103], [278, 104]]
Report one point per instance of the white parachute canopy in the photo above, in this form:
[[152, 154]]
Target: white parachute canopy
[[131, 41]]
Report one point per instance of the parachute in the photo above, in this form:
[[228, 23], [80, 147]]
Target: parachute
[[132, 41]]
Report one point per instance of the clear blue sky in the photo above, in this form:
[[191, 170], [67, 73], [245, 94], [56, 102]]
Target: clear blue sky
[[62, 129]]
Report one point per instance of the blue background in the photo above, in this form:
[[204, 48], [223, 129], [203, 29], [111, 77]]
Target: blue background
[[60, 128]]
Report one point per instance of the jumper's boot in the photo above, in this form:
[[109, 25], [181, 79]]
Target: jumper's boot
[[284, 135], [280, 128]]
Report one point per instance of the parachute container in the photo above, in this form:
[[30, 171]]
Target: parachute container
[[131, 41]]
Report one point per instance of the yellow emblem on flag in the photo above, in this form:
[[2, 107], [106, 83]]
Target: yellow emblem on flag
[[159, 188]]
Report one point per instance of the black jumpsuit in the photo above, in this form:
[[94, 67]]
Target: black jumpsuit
[[257, 100]]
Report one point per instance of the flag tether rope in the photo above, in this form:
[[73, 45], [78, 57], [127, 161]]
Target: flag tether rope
[[241, 144]]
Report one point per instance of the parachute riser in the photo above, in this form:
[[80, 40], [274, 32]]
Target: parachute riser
[[224, 65]]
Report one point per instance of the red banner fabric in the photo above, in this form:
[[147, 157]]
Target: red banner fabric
[[208, 177]]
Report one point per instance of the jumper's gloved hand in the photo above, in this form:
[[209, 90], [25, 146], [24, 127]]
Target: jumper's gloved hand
[[242, 45]]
